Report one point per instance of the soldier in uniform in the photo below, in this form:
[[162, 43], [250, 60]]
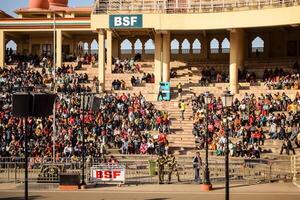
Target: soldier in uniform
[[160, 164], [172, 167]]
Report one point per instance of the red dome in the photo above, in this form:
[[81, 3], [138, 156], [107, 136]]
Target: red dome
[[58, 3], [38, 4]]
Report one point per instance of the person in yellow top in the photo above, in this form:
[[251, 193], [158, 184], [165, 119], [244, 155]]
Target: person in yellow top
[[182, 107], [292, 107]]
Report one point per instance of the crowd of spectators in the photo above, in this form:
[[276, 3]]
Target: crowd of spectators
[[250, 121], [146, 78], [22, 76], [247, 76], [210, 75], [123, 121], [118, 84], [279, 79], [12, 57], [126, 66]]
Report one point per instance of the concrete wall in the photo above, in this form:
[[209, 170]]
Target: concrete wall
[[206, 21]]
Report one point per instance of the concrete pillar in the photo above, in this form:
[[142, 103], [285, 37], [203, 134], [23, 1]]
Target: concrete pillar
[[241, 54], [132, 41], [143, 40], [20, 47], [191, 40], [143, 49], [2, 48], [89, 48], [58, 48], [101, 59], [267, 46], [41, 50], [158, 61], [166, 57], [72, 47], [116, 48], [30, 47], [220, 46], [236, 47], [109, 50], [180, 48], [204, 49]]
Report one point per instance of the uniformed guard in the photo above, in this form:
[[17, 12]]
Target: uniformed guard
[[172, 167], [160, 165]]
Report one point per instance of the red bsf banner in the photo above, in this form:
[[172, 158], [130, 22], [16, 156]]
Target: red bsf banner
[[108, 173]]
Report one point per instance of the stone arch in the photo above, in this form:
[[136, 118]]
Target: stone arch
[[80, 47], [185, 46], [85, 47], [214, 46], [257, 45], [126, 47], [174, 46], [94, 47], [196, 46], [149, 46], [225, 46], [138, 46], [11, 44]]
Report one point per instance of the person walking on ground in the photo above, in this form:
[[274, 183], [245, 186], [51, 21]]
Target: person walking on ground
[[182, 107], [197, 163], [172, 167], [161, 160]]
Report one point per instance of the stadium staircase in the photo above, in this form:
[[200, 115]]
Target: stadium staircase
[[181, 137], [188, 76], [145, 89], [181, 130]]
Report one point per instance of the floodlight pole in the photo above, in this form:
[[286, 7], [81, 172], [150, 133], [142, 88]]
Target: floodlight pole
[[83, 140], [26, 157]]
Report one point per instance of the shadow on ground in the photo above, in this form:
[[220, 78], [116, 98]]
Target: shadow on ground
[[20, 198]]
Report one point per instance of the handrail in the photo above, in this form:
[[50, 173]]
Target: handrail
[[295, 167], [189, 6]]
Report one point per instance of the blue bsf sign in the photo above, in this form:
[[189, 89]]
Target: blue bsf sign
[[126, 21]]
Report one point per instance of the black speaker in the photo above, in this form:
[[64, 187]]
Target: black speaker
[[22, 105], [42, 104], [96, 104], [33, 104], [69, 179]]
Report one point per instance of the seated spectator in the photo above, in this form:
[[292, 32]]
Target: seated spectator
[[173, 73]]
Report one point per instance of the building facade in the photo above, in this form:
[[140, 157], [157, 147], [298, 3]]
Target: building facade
[[229, 33]]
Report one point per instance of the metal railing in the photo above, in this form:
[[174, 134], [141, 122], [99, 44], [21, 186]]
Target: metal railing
[[295, 167], [137, 171], [188, 6]]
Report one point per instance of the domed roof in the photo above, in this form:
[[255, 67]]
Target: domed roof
[[58, 3], [38, 4]]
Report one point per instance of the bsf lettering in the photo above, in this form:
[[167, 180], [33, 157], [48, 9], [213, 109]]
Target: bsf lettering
[[125, 21], [108, 174]]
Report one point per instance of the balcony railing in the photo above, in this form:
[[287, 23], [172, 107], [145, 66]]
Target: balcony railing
[[185, 6]]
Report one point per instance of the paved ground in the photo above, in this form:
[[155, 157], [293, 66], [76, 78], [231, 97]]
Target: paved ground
[[275, 191]]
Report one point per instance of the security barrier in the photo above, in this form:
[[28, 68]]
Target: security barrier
[[137, 171], [295, 168]]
